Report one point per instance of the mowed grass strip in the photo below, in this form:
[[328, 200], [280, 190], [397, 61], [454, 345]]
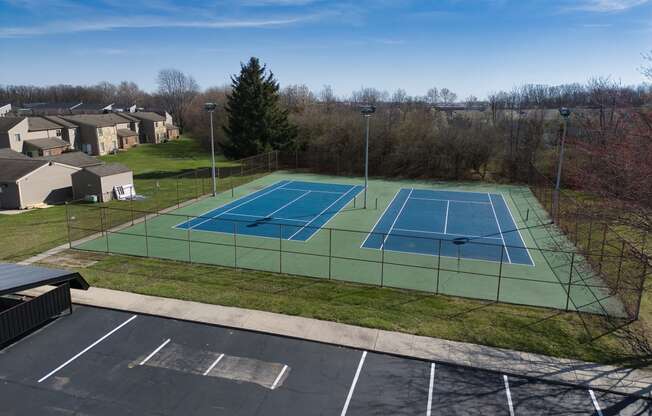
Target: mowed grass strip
[[522, 328]]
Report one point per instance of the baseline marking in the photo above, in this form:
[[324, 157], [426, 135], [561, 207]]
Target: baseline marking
[[278, 378], [289, 203], [499, 230], [87, 348], [430, 389], [261, 217], [449, 200], [448, 204], [241, 204], [355, 381], [380, 218], [155, 351], [208, 370], [408, 230], [319, 215], [509, 396], [595, 403], [306, 190], [397, 217]]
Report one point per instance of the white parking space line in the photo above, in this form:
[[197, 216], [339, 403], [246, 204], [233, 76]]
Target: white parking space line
[[45, 377], [155, 351], [595, 403], [278, 378], [430, 389], [214, 364], [355, 381], [509, 396]]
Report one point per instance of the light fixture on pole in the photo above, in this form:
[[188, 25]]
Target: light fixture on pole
[[366, 112], [565, 113], [210, 108]]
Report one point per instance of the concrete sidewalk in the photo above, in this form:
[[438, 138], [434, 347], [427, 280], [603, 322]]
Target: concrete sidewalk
[[589, 375]]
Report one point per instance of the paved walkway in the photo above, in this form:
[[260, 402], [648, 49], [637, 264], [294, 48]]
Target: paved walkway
[[590, 375]]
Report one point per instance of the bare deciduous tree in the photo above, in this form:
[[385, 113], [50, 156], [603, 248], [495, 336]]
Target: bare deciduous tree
[[175, 91]]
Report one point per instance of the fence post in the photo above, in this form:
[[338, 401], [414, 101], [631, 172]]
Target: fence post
[[330, 252], [570, 280], [235, 245], [382, 261], [276, 160], [604, 239], [189, 246], [231, 180], [641, 289], [146, 242], [438, 267], [620, 264], [196, 187], [101, 221], [68, 225], [177, 192], [280, 248], [500, 271], [131, 206]]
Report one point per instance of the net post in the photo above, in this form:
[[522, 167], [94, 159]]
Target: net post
[[330, 253], [438, 267], [500, 271], [570, 280], [68, 225], [235, 245]]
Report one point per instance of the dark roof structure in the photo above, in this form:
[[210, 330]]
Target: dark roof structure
[[126, 115], [76, 159], [15, 278], [13, 169], [47, 143], [40, 124], [108, 170], [6, 123], [148, 115], [126, 133], [97, 120], [7, 153], [58, 120]]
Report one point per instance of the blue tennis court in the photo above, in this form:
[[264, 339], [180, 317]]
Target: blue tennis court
[[469, 225], [292, 210]]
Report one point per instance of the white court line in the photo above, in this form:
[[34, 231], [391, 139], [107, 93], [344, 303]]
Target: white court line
[[87, 348], [396, 219], [289, 203], [499, 230], [260, 218], [435, 232], [430, 389], [278, 378], [307, 190], [517, 229], [239, 205], [337, 212], [155, 351], [380, 218], [448, 205], [595, 403], [509, 396], [449, 200], [355, 381], [319, 215], [214, 364]]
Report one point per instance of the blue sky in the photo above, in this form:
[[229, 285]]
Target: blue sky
[[469, 46]]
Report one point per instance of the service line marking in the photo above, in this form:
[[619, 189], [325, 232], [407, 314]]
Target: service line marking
[[278, 378], [355, 381], [45, 377], [509, 396], [214, 364], [154, 352]]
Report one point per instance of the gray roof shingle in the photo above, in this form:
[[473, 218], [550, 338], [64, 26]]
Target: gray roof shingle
[[76, 159], [97, 120], [126, 133], [40, 124], [148, 115], [13, 169], [6, 123], [7, 153], [47, 143], [108, 170], [60, 121]]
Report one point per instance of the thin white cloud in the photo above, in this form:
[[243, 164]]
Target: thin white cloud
[[107, 24], [605, 6]]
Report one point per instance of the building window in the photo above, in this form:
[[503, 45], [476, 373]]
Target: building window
[[99, 132], [58, 133], [17, 136]]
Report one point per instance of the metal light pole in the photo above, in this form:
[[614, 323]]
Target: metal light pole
[[210, 107], [565, 113], [366, 112]]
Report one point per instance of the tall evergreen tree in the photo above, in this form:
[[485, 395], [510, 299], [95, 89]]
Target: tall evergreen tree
[[256, 121]]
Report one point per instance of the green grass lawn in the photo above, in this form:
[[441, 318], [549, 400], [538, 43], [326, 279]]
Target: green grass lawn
[[508, 326]]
